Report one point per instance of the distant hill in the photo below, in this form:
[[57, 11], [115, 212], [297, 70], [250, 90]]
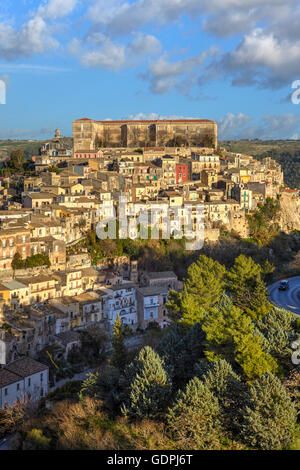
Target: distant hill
[[285, 152], [31, 147]]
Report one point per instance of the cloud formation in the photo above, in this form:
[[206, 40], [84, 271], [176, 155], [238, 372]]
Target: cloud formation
[[116, 34], [271, 126]]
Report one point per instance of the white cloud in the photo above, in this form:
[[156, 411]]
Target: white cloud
[[271, 126], [111, 56], [163, 75], [32, 38], [154, 117], [120, 17], [145, 44], [260, 58], [264, 59], [100, 51], [57, 8]]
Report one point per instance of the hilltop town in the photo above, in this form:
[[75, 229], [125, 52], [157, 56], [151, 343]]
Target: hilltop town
[[53, 287]]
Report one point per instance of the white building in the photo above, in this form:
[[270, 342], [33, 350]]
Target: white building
[[23, 380], [120, 300]]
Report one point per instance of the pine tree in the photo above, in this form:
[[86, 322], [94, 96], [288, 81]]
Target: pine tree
[[230, 336], [202, 289], [119, 355], [149, 386], [249, 291], [269, 417], [90, 387], [194, 419]]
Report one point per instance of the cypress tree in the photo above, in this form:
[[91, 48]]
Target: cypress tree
[[194, 419], [149, 386], [269, 417], [119, 355]]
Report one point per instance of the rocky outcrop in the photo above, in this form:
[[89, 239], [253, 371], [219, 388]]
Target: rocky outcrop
[[290, 210]]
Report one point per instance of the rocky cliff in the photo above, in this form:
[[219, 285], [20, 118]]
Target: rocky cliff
[[290, 210]]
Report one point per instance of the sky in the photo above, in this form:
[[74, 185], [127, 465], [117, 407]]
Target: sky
[[233, 61]]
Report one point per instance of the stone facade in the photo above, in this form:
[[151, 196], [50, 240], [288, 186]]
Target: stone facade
[[90, 135]]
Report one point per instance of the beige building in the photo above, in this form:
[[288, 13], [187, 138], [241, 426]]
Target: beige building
[[90, 135]]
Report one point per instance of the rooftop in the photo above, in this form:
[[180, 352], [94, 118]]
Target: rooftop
[[25, 367], [13, 285], [161, 275], [7, 378], [147, 291]]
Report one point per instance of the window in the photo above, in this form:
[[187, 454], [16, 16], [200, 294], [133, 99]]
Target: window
[[18, 387], [41, 377], [5, 392]]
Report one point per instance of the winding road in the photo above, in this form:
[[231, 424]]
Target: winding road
[[288, 299]]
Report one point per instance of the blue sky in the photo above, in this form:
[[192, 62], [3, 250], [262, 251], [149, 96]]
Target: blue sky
[[233, 61]]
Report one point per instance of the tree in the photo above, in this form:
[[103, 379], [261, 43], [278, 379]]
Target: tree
[[149, 389], [90, 387], [194, 419], [169, 347], [93, 344], [180, 350], [246, 284], [119, 355], [269, 417], [17, 159], [17, 262], [277, 327], [230, 336], [225, 384], [37, 260], [202, 289], [263, 224]]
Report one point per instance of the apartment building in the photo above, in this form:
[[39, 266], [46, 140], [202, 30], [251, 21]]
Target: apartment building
[[13, 241]]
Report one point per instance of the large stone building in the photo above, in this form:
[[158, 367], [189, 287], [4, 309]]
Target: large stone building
[[89, 134]]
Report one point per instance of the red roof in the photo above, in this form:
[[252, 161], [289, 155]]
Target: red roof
[[148, 121]]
